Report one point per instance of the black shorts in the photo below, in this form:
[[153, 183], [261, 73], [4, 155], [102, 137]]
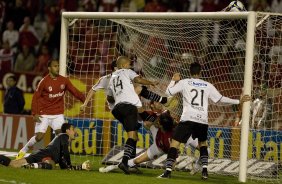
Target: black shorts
[[185, 129], [127, 114], [38, 156]]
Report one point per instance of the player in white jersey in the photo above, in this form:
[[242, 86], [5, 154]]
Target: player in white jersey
[[103, 84], [121, 92], [194, 118], [161, 128]]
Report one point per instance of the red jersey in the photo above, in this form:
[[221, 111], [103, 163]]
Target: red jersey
[[48, 99], [163, 140]]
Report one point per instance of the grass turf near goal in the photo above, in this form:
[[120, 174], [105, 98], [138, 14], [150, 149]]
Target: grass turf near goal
[[11, 175]]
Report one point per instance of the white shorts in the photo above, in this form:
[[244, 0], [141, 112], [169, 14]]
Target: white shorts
[[54, 121], [153, 151]]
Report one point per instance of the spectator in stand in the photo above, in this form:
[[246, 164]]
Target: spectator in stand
[[11, 35], [155, 6], [52, 14], [25, 61], [276, 6], [209, 6], [13, 100], [140, 5], [6, 57], [108, 6], [28, 35], [128, 6], [2, 13], [17, 13], [67, 5], [89, 5], [259, 5], [43, 58]]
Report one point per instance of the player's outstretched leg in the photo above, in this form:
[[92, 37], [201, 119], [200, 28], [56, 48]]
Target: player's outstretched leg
[[25, 149], [171, 157]]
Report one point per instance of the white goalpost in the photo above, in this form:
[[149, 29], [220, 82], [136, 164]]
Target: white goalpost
[[238, 50]]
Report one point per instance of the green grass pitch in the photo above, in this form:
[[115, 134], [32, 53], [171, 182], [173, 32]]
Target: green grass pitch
[[38, 176]]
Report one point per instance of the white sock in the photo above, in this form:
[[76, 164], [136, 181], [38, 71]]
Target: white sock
[[131, 163], [30, 143]]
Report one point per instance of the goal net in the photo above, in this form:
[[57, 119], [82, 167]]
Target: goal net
[[159, 47]]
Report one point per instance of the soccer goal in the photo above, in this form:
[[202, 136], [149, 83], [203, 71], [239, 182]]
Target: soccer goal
[[239, 52]]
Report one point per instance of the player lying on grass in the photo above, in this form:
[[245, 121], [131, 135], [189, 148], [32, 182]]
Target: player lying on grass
[[56, 152], [161, 132]]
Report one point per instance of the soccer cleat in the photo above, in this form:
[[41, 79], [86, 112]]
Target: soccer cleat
[[165, 175], [135, 170], [20, 155], [205, 174], [124, 168], [28, 166]]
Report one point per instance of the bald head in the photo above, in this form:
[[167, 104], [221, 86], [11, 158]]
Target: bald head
[[123, 62]]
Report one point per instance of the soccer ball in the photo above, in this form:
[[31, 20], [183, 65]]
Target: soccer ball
[[236, 6]]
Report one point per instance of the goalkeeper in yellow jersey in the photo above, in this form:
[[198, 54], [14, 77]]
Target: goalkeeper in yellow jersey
[[57, 152]]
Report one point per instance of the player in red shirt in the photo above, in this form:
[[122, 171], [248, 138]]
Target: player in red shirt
[[48, 104]]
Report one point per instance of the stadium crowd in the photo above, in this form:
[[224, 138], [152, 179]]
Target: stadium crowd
[[31, 29]]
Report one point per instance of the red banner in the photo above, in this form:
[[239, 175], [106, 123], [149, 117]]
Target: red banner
[[16, 130]]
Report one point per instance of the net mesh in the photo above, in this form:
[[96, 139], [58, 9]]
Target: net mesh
[[160, 47]]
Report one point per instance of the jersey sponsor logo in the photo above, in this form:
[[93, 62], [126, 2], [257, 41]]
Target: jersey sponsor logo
[[62, 86], [50, 88], [56, 95], [197, 84]]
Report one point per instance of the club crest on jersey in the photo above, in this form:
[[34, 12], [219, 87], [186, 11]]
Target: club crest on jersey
[[50, 88], [62, 86]]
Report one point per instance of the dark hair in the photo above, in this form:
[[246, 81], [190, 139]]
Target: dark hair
[[195, 69], [65, 127], [50, 62], [166, 121], [12, 77], [114, 64]]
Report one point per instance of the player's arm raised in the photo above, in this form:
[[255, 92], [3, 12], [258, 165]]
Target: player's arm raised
[[99, 85], [143, 81], [175, 85]]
